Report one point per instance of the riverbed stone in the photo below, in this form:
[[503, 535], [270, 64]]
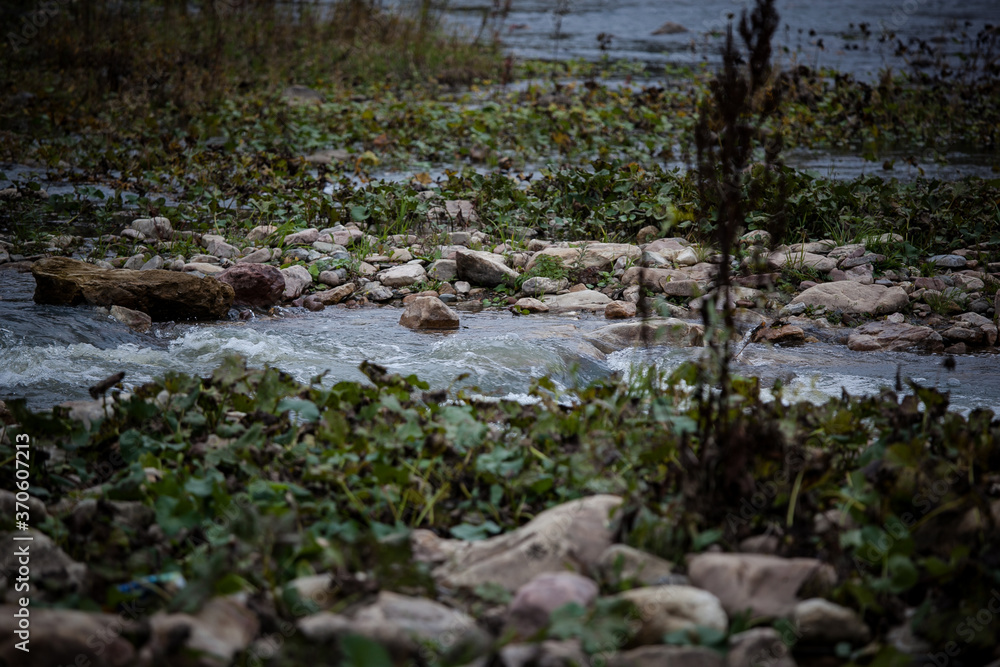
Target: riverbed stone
[[621, 564], [787, 334], [669, 608], [402, 276], [261, 232], [568, 537], [163, 295], [483, 268], [585, 299], [619, 310], [652, 278], [766, 586], [819, 621], [70, 637], [304, 237], [652, 331], [215, 634], [428, 312], [531, 305], [948, 261], [789, 259], [258, 256], [855, 298], [667, 656], [297, 278], [203, 268], [154, 228], [217, 246], [133, 319], [541, 285], [535, 601], [254, 285], [60, 574], [444, 270], [601, 256], [134, 263], [760, 646], [889, 336]]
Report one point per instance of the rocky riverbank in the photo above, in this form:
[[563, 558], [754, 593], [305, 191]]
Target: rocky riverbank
[[798, 293]]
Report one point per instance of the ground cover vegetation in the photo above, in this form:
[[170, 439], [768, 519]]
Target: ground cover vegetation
[[896, 492]]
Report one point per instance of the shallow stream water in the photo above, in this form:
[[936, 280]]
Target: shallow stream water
[[52, 354]]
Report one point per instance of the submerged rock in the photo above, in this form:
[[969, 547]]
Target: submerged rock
[[133, 319], [163, 295]]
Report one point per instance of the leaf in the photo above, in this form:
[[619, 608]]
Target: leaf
[[706, 538], [305, 409], [471, 533], [360, 651], [903, 574]]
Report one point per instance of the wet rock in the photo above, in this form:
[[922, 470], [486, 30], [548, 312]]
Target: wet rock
[[653, 331], [767, 586], [670, 28], [760, 646], [444, 270], [530, 305], [163, 295], [894, 336], [69, 637], [297, 278], [787, 334], [210, 638], [535, 601], [260, 232], [305, 237], [669, 608], [484, 269], [585, 299], [133, 319], [667, 656], [621, 564], [819, 621], [568, 537], [331, 297], [313, 304], [855, 298], [428, 312], [154, 228], [258, 256], [541, 285], [254, 285], [619, 310], [401, 276]]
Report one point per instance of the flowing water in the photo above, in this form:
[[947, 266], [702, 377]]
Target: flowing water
[[52, 354]]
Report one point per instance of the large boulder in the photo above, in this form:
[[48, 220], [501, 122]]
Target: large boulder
[[851, 297], [571, 536], [894, 336], [428, 312], [483, 268], [653, 331], [766, 586], [163, 295], [255, 285]]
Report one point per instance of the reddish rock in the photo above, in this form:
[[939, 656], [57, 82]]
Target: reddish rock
[[619, 310], [783, 335], [255, 285]]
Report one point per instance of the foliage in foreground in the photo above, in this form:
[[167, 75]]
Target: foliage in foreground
[[256, 479]]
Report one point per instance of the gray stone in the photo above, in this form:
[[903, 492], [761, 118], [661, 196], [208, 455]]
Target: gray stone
[[948, 261], [530, 305], [444, 270], [668, 656], [541, 285], [260, 232], [665, 609], [402, 276], [621, 564], [220, 630], [154, 228], [582, 300], [305, 237], [297, 278], [134, 263], [535, 601], [855, 298], [155, 262], [70, 637], [819, 621], [428, 312], [484, 269], [652, 331], [894, 336], [760, 646], [258, 256]]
